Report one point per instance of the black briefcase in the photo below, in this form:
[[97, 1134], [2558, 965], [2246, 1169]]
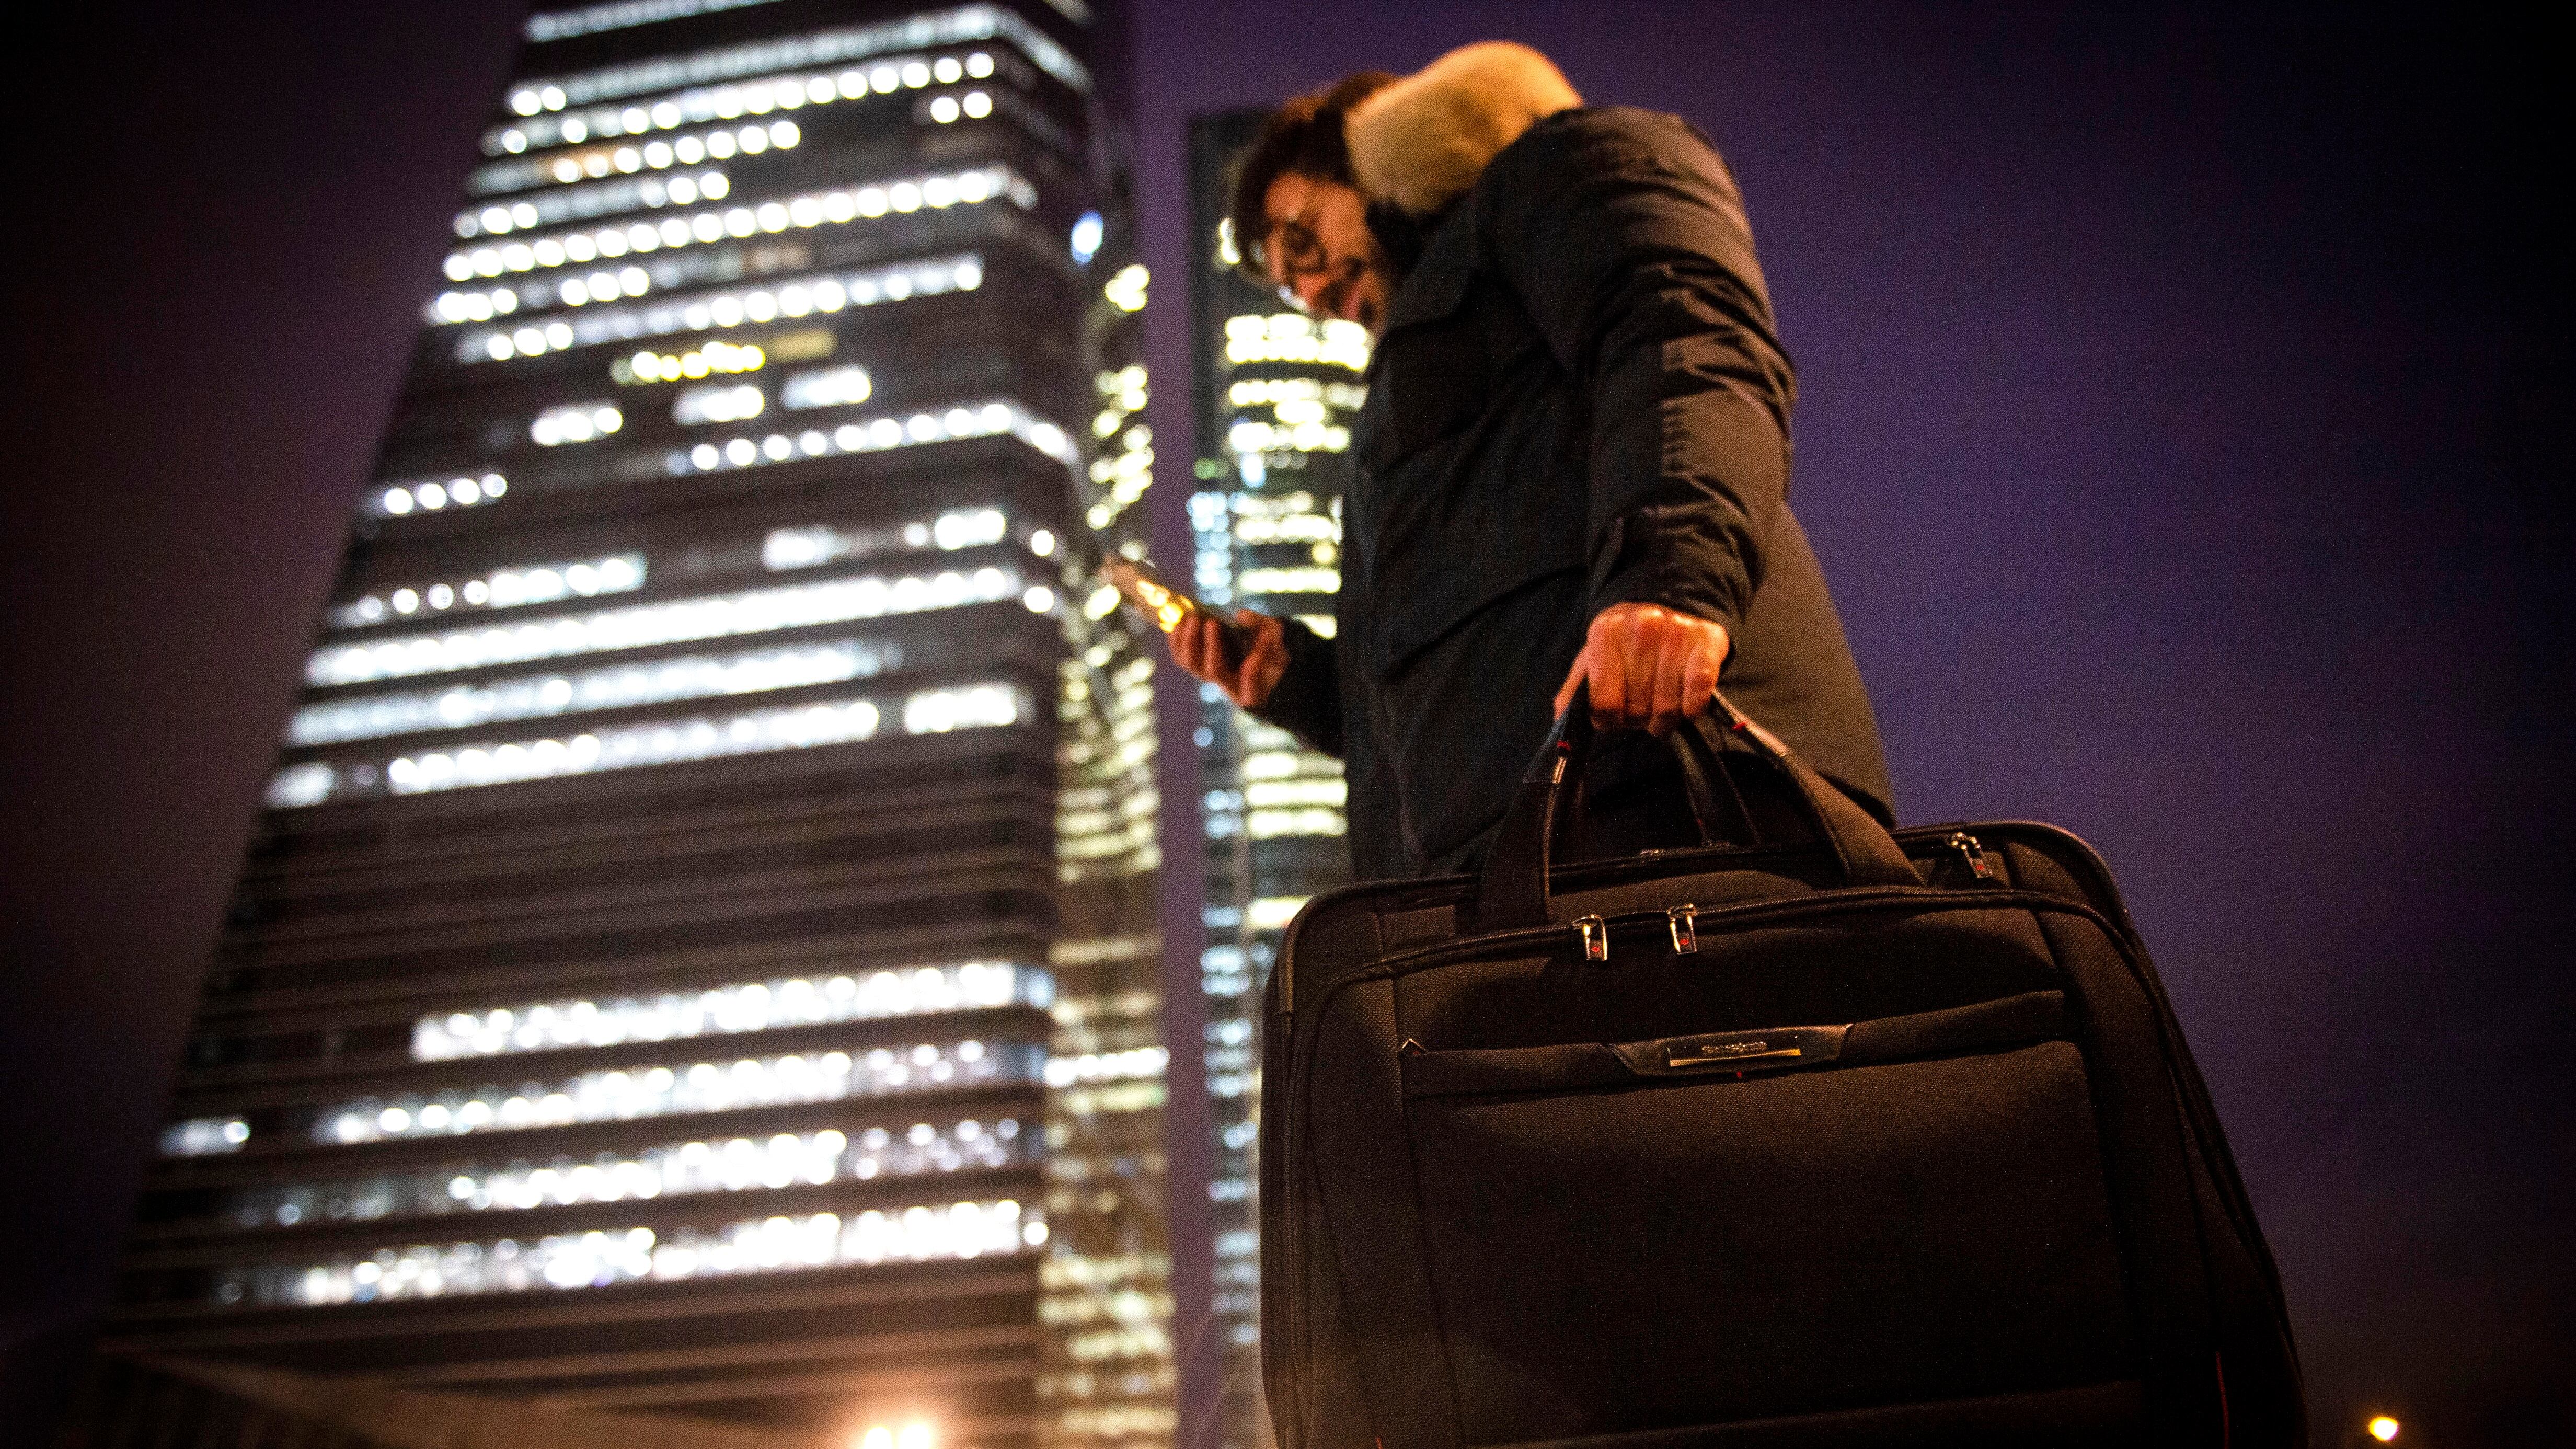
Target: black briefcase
[[1873, 1140]]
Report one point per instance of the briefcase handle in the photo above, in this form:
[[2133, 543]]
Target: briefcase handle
[[1512, 890]]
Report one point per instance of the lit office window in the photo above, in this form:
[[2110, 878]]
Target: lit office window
[[430, 495], [1296, 579], [628, 1093], [723, 1010], [696, 106], [500, 589], [986, 420], [622, 158], [576, 423], [1271, 824], [817, 544], [678, 1169], [811, 295], [1294, 337], [838, 206], [642, 626], [612, 687], [600, 1259], [592, 19], [1124, 468], [1107, 1066], [606, 198], [826, 387], [792, 727], [545, 101], [713, 358], [721, 403], [204, 1137]]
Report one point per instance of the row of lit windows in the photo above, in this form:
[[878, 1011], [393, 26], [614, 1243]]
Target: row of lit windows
[[713, 357], [838, 206], [430, 495], [1263, 809], [624, 1094], [591, 19], [1282, 764], [612, 687], [1212, 562], [993, 419], [603, 198], [818, 544], [1260, 794], [723, 103], [1126, 290], [793, 727], [1141, 1062], [1253, 392], [204, 1137], [1308, 437], [973, 106], [827, 387], [743, 1164], [643, 626], [1125, 468], [1272, 824], [1122, 395], [964, 24], [501, 588], [721, 143], [601, 1259], [535, 99], [744, 1007], [581, 422], [1299, 579], [1288, 528], [1085, 829], [1295, 337], [735, 307], [784, 548]]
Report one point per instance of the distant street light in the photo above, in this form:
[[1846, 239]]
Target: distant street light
[[2384, 1429]]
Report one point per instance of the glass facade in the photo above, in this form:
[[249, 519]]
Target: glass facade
[[699, 959], [1276, 392]]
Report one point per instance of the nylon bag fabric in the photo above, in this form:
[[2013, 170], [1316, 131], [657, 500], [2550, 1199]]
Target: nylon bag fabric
[[1872, 1140]]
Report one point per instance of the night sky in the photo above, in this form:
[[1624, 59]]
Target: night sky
[[2183, 425]]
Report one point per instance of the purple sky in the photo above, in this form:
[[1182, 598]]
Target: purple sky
[[2182, 426]]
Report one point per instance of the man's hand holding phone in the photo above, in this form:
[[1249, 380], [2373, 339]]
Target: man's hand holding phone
[[1243, 656], [1200, 645]]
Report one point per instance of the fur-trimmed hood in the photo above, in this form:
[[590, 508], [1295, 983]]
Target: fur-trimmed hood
[[1421, 142]]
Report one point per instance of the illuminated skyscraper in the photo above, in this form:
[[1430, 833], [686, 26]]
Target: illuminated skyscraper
[[1276, 393], [698, 961]]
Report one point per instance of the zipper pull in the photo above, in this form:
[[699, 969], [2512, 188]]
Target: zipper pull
[[1684, 919], [1410, 1048], [1595, 937], [1974, 854]]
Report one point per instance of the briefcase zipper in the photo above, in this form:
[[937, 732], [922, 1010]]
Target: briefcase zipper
[[1594, 936], [1973, 853], [1685, 937]]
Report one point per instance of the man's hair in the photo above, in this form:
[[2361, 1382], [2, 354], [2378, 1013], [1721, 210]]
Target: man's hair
[[1304, 137]]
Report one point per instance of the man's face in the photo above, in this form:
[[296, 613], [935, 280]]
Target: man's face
[[1319, 249]]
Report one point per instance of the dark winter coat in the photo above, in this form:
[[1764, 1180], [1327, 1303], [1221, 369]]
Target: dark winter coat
[[1578, 400]]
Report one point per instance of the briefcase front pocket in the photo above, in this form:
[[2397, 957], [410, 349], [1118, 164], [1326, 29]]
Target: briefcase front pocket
[[1701, 1230]]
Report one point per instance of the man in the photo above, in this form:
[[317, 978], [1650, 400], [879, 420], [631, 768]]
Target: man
[[1571, 469]]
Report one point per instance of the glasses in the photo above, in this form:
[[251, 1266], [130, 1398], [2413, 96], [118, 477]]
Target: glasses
[[1295, 251]]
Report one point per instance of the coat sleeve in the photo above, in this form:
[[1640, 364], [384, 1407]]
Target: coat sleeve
[[1307, 701], [1624, 238]]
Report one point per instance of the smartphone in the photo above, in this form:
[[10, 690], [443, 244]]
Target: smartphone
[[1165, 604]]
